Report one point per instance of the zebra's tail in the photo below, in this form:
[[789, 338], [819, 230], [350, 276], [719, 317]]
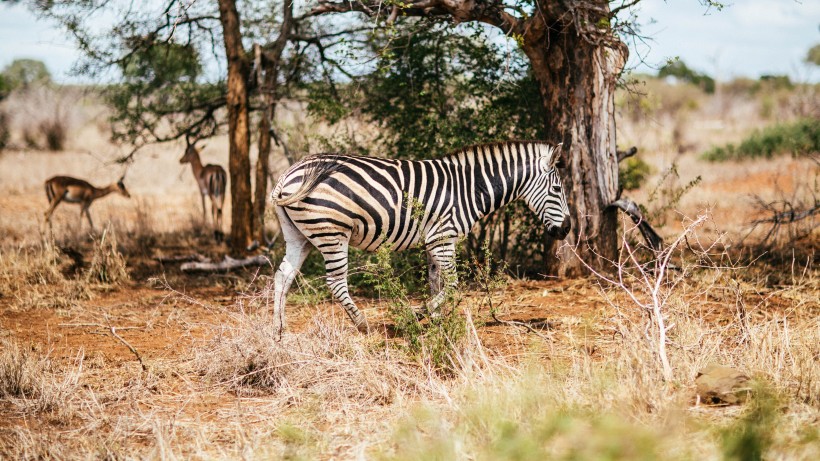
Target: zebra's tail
[[316, 169]]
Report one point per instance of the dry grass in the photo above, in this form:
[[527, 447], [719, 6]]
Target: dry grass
[[33, 384], [218, 384]]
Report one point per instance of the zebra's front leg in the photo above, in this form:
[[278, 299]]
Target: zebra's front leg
[[336, 266], [441, 259]]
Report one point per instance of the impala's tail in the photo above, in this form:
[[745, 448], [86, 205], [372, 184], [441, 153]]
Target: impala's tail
[[217, 183]]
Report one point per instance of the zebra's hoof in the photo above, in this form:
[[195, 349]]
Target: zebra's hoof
[[363, 327]]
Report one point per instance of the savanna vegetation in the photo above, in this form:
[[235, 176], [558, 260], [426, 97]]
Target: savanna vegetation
[[602, 348]]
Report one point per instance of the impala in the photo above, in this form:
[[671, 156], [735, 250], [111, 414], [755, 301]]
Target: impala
[[73, 190], [211, 180]]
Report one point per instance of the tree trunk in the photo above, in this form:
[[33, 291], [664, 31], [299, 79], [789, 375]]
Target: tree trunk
[[267, 72], [239, 132], [577, 73], [262, 171]]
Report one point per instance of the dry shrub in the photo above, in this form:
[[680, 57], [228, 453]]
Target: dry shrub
[[34, 384], [33, 277], [107, 264], [44, 115], [327, 360], [21, 443], [54, 133]]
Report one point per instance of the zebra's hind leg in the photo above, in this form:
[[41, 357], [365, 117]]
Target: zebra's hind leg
[[296, 250], [336, 265], [441, 258]]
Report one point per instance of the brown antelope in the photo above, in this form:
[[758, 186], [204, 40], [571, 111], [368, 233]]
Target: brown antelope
[[73, 190], [211, 180]]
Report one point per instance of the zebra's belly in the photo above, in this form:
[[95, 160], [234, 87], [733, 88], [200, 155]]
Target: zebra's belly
[[396, 241]]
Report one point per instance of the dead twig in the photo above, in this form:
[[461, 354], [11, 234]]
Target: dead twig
[[113, 330], [133, 350], [516, 323]]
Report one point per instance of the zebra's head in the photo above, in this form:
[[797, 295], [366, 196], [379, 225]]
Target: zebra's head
[[545, 196]]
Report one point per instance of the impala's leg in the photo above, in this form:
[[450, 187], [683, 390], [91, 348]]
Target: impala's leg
[[84, 211], [204, 211], [216, 202], [296, 250], [441, 258], [213, 220], [336, 265], [51, 208]]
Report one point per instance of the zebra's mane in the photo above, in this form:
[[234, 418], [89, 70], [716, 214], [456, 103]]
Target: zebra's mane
[[551, 148]]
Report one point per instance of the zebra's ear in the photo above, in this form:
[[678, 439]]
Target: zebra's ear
[[557, 157]]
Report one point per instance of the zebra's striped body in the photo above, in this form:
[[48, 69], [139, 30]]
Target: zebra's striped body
[[337, 201]]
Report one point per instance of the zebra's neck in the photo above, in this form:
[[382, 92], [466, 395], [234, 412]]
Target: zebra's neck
[[492, 176]]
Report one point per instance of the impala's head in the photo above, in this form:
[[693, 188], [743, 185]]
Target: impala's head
[[121, 187], [545, 196], [191, 152]]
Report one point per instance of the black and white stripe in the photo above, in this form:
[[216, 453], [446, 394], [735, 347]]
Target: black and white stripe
[[336, 201]]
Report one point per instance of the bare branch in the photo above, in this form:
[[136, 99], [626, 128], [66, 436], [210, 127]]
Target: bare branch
[[625, 154]]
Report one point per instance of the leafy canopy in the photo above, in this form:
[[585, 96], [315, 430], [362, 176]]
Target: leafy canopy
[[436, 88]]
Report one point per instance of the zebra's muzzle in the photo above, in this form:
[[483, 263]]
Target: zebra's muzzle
[[560, 232]]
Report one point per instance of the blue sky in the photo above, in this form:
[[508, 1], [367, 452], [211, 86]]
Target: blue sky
[[748, 38]]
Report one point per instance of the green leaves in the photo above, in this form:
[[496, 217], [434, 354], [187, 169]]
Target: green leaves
[[435, 88], [159, 64]]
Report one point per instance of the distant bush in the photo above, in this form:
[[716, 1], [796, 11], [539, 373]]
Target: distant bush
[[5, 87], [799, 138], [680, 70], [43, 115], [777, 81], [633, 173], [5, 131], [813, 55], [24, 72]]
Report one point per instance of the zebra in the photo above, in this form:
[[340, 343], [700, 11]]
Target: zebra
[[335, 201]]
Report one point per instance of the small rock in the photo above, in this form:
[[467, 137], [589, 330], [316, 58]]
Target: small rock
[[720, 385]]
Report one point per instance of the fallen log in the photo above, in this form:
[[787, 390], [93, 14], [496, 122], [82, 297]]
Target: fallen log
[[182, 258], [226, 265]]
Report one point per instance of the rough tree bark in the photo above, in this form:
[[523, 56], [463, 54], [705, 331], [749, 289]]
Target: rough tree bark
[[239, 164], [576, 61], [576, 58], [268, 60]]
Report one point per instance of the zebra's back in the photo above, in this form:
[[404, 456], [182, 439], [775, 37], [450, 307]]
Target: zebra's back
[[371, 201]]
